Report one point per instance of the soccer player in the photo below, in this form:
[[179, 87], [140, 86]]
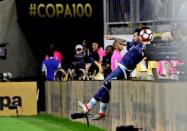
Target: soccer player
[[128, 63]]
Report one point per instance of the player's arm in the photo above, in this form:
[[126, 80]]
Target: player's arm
[[109, 37]]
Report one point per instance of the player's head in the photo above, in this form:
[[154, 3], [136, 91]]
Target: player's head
[[136, 35]]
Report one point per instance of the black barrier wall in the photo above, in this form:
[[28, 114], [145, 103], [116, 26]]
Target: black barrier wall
[[152, 106]]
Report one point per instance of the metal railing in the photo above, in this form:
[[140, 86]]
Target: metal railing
[[122, 16]]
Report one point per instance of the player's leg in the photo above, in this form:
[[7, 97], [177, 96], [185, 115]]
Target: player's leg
[[103, 94], [103, 106]]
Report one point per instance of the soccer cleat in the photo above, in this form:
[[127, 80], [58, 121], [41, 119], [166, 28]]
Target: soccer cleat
[[84, 107], [99, 116]]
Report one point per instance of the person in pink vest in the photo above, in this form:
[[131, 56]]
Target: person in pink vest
[[116, 56], [99, 50]]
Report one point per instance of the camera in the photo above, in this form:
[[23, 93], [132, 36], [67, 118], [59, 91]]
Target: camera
[[162, 50], [169, 50], [79, 115]]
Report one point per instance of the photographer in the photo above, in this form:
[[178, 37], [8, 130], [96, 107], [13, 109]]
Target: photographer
[[172, 45], [168, 55]]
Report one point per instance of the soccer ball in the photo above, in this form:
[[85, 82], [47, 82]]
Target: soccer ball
[[146, 35]]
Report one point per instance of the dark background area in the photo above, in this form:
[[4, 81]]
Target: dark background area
[[65, 32]]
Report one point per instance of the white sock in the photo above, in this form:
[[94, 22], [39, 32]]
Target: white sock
[[103, 107], [91, 103]]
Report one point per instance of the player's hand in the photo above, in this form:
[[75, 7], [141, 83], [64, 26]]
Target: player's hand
[[167, 36], [108, 37]]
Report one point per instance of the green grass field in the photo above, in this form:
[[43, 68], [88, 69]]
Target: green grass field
[[42, 123]]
